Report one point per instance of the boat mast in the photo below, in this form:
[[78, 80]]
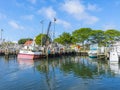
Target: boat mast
[[54, 29]]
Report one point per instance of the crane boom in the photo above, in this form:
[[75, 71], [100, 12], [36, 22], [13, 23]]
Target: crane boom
[[47, 38], [48, 30]]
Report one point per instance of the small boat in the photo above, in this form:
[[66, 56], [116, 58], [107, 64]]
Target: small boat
[[92, 54], [93, 51], [30, 52]]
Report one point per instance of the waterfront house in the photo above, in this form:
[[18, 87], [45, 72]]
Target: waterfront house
[[27, 43]]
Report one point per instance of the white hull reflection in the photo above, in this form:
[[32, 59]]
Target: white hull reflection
[[114, 67]]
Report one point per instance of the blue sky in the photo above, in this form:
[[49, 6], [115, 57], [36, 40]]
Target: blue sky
[[21, 18]]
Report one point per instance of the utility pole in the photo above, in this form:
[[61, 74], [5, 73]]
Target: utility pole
[[42, 31], [54, 29], [1, 33]]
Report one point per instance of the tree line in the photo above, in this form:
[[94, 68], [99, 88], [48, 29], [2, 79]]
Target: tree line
[[89, 36], [82, 35]]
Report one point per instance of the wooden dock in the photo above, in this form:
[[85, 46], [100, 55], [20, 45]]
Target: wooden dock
[[14, 50], [101, 56], [104, 54], [9, 52]]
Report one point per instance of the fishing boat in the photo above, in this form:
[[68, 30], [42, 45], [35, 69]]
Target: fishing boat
[[93, 51], [30, 52]]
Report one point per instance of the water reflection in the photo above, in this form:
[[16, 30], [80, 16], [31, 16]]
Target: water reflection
[[9, 58], [82, 67], [59, 70], [24, 64], [48, 69], [115, 68], [63, 73]]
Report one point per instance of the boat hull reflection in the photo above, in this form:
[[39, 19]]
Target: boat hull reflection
[[25, 63]]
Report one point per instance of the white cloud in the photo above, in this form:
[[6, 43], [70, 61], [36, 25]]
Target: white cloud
[[93, 7], [2, 16], [48, 12], [73, 7], [109, 26], [33, 1], [78, 10], [65, 24], [28, 17], [88, 19], [15, 25]]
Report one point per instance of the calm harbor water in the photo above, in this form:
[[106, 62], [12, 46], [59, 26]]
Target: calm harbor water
[[64, 73]]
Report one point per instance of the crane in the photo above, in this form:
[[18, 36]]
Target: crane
[[47, 38], [48, 30]]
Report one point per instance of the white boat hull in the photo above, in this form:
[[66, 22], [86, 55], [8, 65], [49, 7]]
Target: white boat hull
[[29, 55], [92, 54]]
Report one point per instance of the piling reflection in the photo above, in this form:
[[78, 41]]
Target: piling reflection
[[9, 58]]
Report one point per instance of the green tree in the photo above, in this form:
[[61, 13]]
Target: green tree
[[97, 36], [65, 38], [23, 40], [81, 34], [111, 35], [42, 39], [58, 40]]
